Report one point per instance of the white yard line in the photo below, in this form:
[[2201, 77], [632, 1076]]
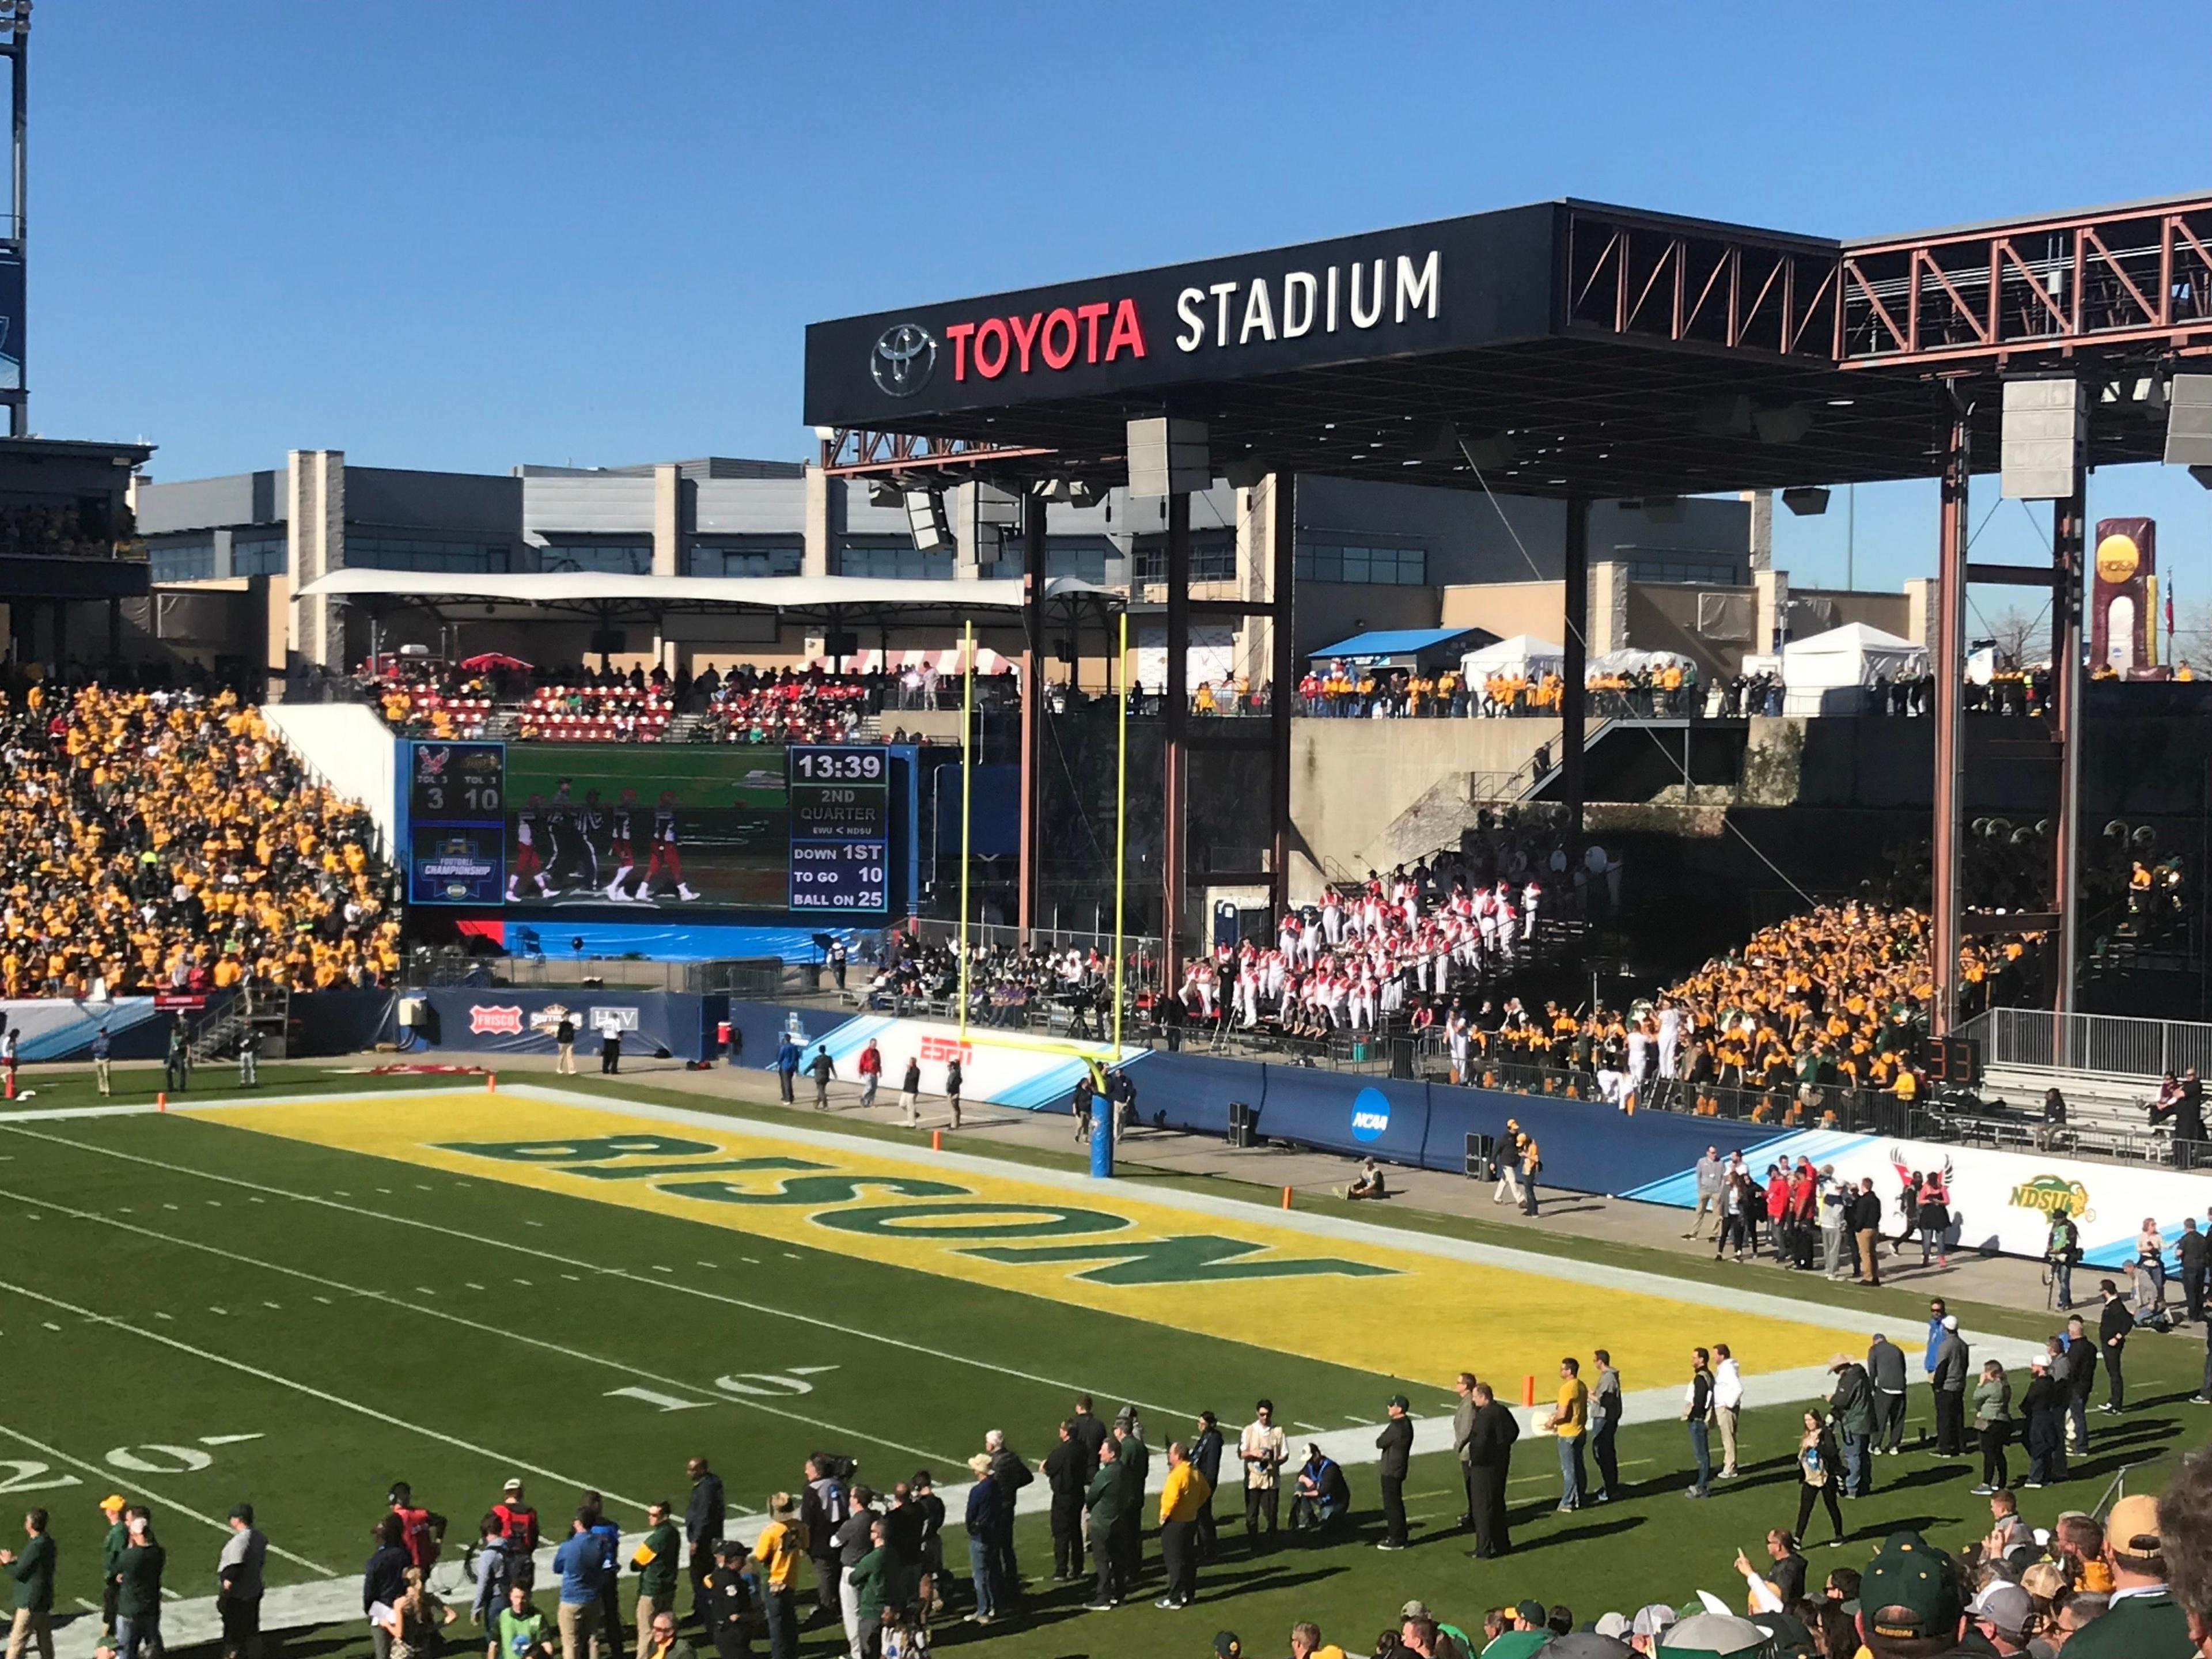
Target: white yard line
[[314, 1393], [109, 1475], [845, 1332], [566, 1351]]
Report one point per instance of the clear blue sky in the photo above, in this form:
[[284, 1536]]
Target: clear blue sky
[[469, 233]]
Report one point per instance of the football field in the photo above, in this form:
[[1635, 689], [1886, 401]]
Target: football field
[[299, 1300]]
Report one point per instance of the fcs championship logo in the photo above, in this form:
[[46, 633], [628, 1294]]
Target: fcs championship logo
[[904, 358]]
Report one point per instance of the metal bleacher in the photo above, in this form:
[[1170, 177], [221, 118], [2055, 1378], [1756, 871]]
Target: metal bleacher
[[2107, 1068]]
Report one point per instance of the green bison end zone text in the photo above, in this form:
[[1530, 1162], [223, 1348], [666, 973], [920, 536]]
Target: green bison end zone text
[[1186, 1259]]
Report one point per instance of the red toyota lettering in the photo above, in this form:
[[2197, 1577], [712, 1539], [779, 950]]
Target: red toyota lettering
[[1023, 338], [1063, 319], [989, 364], [958, 333], [1090, 314], [1126, 334]]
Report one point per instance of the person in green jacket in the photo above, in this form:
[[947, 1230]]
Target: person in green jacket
[[138, 1589], [111, 1563], [1106, 1500], [2144, 1621], [32, 1567], [871, 1575], [654, 1562], [1993, 1422]]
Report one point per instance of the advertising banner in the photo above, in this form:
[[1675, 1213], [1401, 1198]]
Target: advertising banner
[[2000, 1201], [54, 1028], [1007, 1068], [503, 1020]]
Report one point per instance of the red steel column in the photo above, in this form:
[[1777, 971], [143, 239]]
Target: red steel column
[[1283, 531], [2069, 539], [1949, 664], [1033, 715], [1174, 714]]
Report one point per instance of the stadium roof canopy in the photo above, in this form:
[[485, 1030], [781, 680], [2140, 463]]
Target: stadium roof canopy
[[1565, 349], [843, 601]]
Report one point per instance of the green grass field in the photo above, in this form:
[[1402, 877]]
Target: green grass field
[[196, 1309]]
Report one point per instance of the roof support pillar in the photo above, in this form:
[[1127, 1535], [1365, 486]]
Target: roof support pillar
[[1282, 673], [1033, 711], [2068, 525], [1174, 714], [1574, 671], [1949, 659]]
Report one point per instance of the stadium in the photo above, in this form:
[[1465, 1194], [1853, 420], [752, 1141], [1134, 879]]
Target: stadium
[[1230, 945]]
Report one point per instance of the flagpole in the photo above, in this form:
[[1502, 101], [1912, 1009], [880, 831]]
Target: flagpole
[[1120, 826]]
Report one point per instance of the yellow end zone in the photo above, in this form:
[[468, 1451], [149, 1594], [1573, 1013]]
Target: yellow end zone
[[1351, 1297]]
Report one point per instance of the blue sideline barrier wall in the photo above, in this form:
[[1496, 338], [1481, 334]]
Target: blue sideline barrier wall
[[505, 1020], [340, 1022], [1586, 1147]]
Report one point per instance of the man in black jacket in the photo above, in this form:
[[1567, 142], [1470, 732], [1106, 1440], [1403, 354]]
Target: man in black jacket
[[1490, 1459], [2113, 1328], [1062, 1469], [384, 1579], [2194, 1247], [1866, 1229], [729, 1603], [1206, 1457], [1009, 1474], [1395, 1443], [702, 1530]]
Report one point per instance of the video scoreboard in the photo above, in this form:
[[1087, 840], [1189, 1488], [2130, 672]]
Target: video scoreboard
[[456, 828], [840, 829]]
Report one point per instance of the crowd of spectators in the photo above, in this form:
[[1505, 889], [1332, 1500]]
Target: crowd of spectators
[[782, 705], [1663, 688], [169, 841], [60, 531]]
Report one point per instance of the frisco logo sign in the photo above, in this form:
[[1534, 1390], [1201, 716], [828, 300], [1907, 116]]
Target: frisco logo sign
[[1360, 296], [498, 1022]]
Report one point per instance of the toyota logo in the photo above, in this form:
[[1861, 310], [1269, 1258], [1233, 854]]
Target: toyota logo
[[904, 358]]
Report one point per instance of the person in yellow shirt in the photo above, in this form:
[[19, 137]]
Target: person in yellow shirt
[[1183, 1498], [779, 1549], [1569, 1418]]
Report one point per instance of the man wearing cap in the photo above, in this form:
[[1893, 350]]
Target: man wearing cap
[[1716, 1635], [2142, 1620], [1850, 1403], [1182, 1495], [113, 1544], [1490, 1459], [1908, 1602], [778, 1551], [1530, 1633], [1226, 1646], [2001, 1613], [32, 1568], [238, 1584], [1569, 1418], [727, 1603], [138, 1589], [2042, 1412], [1396, 1443]]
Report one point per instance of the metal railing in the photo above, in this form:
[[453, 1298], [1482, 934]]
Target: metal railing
[[2115, 1045], [933, 931], [762, 978]]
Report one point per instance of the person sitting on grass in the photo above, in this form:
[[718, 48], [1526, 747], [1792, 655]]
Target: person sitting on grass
[[1370, 1183], [1322, 1493]]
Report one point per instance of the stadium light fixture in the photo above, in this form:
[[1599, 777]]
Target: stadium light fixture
[[1807, 501]]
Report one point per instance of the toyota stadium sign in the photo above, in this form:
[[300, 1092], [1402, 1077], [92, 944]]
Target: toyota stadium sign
[[1454, 284]]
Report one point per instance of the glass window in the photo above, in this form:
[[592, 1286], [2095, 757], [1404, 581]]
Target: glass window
[[712, 560], [182, 562], [1213, 559], [897, 563], [1388, 566], [612, 558], [1085, 564], [262, 556], [391, 553]]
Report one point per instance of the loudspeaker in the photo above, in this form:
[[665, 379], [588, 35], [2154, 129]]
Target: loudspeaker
[[2189, 421], [843, 643], [1169, 458], [926, 520], [1478, 1151], [2046, 425], [1243, 1124], [1402, 1058]]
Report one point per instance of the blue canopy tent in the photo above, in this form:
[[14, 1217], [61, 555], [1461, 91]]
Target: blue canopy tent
[[1428, 648]]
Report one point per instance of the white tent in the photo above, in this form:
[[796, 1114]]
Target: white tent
[[1524, 653], [1852, 655], [1629, 660]]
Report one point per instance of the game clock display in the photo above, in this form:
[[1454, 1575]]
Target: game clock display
[[455, 832], [840, 829]]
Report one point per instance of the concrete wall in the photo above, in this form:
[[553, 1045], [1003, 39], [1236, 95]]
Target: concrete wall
[[1372, 793]]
